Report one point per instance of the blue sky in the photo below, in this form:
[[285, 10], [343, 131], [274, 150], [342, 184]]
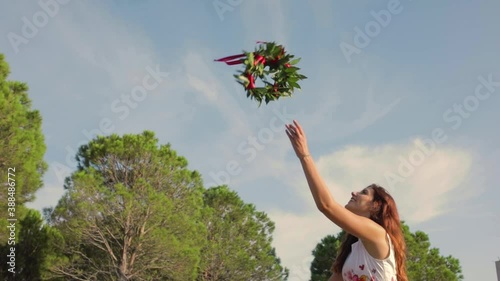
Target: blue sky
[[410, 107]]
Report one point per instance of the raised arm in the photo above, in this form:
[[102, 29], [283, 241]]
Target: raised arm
[[359, 226]]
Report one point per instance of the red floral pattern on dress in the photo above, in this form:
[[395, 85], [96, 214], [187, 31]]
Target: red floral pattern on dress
[[351, 276], [354, 277]]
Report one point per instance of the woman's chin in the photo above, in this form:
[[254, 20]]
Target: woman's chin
[[350, 206]]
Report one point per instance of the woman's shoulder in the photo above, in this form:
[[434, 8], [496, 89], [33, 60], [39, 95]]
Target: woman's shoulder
[[379, 249]]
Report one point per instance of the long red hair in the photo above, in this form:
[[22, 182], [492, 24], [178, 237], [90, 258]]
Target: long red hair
[[387, 216]]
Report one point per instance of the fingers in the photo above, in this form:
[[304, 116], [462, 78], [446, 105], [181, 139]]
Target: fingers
[[295, 128], [299, 128], [291, 136], [291, 130]]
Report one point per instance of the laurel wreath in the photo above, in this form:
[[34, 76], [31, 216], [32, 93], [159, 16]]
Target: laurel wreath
[[271, 65]]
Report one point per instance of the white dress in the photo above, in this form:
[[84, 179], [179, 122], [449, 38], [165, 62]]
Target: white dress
[[360, 266]]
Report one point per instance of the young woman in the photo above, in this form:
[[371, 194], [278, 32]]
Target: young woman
[[374, 248]]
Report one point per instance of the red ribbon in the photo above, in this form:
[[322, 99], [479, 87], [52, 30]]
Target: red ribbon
[[236, 59], [259, 58], [232, 60], [251, 85]]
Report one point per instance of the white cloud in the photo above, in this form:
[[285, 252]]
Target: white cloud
[[421, 195], [208, 90]]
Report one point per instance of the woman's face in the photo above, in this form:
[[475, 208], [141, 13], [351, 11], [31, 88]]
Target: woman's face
[[361, 203]]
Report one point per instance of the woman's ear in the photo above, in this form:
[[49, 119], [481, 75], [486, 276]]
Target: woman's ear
[[375, 206]]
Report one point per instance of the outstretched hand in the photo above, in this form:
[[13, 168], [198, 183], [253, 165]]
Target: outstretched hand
[[298, 139]]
